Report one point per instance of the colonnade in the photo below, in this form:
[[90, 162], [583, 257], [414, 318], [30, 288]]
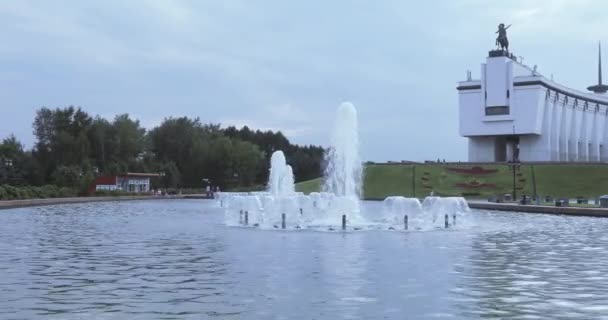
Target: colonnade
[[574, 130]]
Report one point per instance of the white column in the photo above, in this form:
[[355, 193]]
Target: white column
[[563, 133], [604, 149], [573, 139], [481, 149], [510, 150], [554, 145], [593, 142], [546, 133], [583, 142]]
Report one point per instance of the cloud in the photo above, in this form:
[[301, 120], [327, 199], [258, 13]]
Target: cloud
[[294, 122], [282, 65]]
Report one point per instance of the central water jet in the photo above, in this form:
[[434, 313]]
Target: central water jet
[[344, 171]]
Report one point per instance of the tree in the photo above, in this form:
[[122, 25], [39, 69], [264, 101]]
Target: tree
[[13, 162], [186, 143], [103, 146], [71, 147], [170, 175], [245, 161], [305, 160], [62, 138], [129, 140]]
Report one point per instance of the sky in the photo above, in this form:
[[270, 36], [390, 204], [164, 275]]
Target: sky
[[284, 65]]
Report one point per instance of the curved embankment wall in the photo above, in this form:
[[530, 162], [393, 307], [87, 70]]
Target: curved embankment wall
[[11, 204]]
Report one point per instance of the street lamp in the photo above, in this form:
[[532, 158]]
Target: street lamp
[[7, 167], [514, 167], [163, 181]]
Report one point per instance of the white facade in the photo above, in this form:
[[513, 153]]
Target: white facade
[[133, 184], [108, 187], [513, 113]]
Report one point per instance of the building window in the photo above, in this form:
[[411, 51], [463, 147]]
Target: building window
[[495, 111]]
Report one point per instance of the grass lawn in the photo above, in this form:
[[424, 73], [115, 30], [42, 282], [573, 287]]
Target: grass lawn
[[383, 180], [584, 205], [380, 180], [571, 180], [309, 186], [472, 181]]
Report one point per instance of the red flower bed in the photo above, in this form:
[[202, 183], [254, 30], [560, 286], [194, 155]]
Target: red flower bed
[[475, 186], [473, 170]]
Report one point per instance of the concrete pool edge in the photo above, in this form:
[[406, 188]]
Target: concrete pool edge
[[473, 204], [14, 204], [514, 207]]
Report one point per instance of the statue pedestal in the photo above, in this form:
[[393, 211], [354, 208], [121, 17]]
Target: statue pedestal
[[500, 53]]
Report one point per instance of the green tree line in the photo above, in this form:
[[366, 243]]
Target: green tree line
[[72, 147]]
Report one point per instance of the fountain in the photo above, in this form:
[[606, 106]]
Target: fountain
[[343, 172], [280, 182], [338, 205]]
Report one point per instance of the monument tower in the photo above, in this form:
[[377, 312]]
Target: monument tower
[[599, 88], [513, 113]]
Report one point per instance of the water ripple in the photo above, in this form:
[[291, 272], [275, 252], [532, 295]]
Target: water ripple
[[176, 260]]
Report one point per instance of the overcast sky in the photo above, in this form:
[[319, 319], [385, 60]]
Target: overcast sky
[[276, 64]]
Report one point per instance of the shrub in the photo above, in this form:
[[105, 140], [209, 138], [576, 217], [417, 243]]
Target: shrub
[[470, 194], [3, 193], [117, 193], [12, 192], [248, 189], [30, 192]]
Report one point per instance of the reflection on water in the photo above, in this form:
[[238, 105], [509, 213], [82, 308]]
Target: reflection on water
[[556, 269], [175, 260]]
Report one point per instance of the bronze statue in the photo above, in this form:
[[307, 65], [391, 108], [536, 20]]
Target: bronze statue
[[502, 40]]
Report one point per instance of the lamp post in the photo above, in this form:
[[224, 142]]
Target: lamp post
[[235, 178], [7, 166], [514, 167], [162, 179], [206, 183]]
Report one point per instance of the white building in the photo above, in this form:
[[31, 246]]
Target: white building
[[514, 113], [129, 182]]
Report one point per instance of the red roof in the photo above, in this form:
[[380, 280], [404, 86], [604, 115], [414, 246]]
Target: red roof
[[105, 180]]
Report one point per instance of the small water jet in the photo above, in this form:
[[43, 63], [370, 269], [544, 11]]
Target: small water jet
[[280, 181]]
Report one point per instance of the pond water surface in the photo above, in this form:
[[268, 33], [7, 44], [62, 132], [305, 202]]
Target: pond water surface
[[175, 259]]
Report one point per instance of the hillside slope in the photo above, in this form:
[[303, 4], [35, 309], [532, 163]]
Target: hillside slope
[[478, 181]]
